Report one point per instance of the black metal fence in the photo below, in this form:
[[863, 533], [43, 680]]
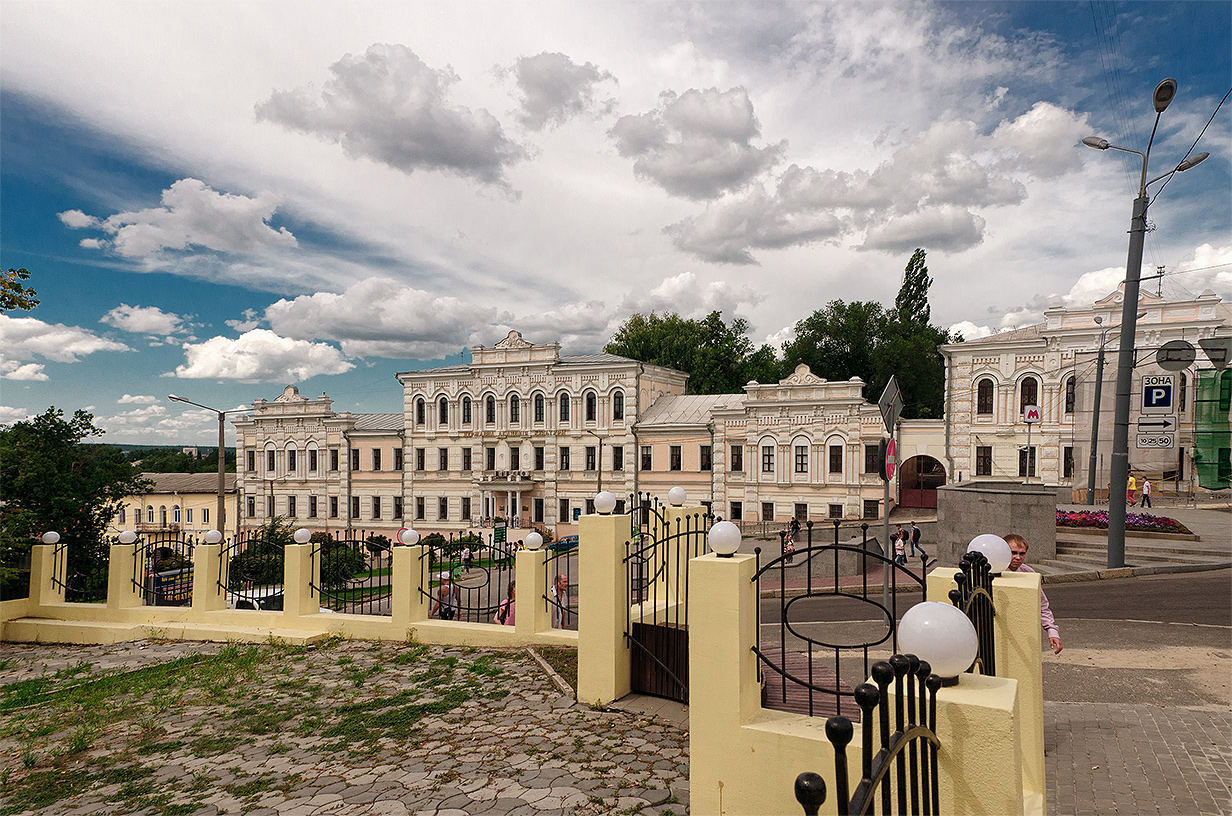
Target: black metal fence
[[901, 777], [355, 573], [251, 572], [974, 598], [474, 594], [81, 572], [163, 568], [560, 573], [838, 606]]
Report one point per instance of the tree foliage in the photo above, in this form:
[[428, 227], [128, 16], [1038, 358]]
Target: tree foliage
[[719, 357], [174, 460], [54, 481], [13, 295]]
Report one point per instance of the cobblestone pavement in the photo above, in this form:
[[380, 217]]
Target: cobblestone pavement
[[349, 727], [1111, 758]]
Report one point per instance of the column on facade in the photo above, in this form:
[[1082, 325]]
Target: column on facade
[[517, 504]]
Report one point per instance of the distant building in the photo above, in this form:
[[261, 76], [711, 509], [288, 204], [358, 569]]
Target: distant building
[[184, 503]]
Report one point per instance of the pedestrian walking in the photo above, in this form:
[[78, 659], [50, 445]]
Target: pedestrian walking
[[1018, 557], [506, 613], [1130, 489], [468, 558], [915, 541], [446, 599], [900, 546], [1146, 494]]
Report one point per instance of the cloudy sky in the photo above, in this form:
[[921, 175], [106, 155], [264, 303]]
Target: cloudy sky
[[218, 199]]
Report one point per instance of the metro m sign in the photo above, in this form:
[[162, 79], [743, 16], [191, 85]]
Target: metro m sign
[[1031, 414], [1157, 392]]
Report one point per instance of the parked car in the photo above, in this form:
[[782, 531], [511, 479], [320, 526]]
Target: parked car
[[564, 544]]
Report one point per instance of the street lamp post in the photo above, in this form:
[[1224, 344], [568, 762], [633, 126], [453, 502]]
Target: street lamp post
[[222, 457], [1119, 476], [1099, 387]]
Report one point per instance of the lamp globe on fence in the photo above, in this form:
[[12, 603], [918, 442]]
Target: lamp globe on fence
[[941, 634], [408, 536], [302, 536], [127, 537], [605, 502], [213, 537], [533, 541], [724, 539], [676, 496], [994, 549], [50, 537]]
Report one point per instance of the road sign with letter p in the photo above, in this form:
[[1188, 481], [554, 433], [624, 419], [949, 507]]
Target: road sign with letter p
[[1157, 393]]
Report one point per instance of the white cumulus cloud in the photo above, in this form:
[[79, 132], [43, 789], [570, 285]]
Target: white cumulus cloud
[[26, 338], [260, 355], [10, 414], [554, 88], [13, 370], [144, 320], [131, 399]]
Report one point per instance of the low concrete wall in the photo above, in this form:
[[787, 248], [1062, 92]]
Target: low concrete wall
[[971, 508]]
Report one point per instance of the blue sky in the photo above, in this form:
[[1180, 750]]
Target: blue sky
[[220, 199]]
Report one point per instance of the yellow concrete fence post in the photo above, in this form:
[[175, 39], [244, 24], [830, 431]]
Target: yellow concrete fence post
[[46, 586], [723, 688], [408, 604], [302, 572], [603, 606], [207, 594], [125, 577], [533, 614]]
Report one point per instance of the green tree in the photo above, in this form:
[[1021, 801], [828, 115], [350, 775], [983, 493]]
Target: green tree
[[911, 304], [174, 460], [838, 342], [54, 481], [13, 295]]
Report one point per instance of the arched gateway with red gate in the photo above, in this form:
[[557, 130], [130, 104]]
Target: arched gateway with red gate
[[918, 480]]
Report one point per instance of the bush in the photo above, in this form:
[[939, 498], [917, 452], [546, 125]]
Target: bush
[[339, 564], [1098, 519]]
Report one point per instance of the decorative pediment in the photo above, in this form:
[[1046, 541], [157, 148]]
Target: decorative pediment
[[291, 394], [803, 375], [513, 341]]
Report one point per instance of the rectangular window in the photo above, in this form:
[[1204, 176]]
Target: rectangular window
[[269, 507], [591, 464], [872, 455], [397, 507], [312, 460], [836, 458], [442, 508], [312, 507], [291, 461], [836, 511], [737, 458], [872, 508], [737, 511], [251, 459], [1067, 462], [354, 458], [187, 515], [419, 507], [421, 458], [252, 508], [467, 453], [333, 458], [537, 510], [376, 458], [673, 458], [705, 458], [564, 510], [442, 458], [767, 511], [801, 458], [490, 458], [801, 512], [646, 449], [983, 460], [291, 506], [618, 457], [466, 508], [564, 459], [269, 461], [515, 457], [590, 507], [397, 458], [539, 453], [333, 507], [1026, 461], [376, 507], [205, 516], [355, 507], [767, 458]]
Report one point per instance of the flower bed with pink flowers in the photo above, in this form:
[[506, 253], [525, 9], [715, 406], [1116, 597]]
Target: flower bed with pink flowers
[[1143, 522]]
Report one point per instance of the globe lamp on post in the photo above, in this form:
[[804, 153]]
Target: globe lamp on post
[[302, 536], [995, 549], [676, 496], [942, 635], [605, 502], [533, 542], [724, 539], [408, 536]]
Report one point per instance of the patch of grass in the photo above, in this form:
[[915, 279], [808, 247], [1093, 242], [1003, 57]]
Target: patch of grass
[[40, 789], [214, 744], [563, 660]]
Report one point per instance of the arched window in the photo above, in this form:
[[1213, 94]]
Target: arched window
[[983, 397], [515, 408], [1181, 396], [1028, 394], [421, 410], [618, 405], [292, 461], [442, 412], [592, 406], [466, 410], [538, 407], [162, 515], [490, 409], [1071, 394], [564, 406], [149, 514], [175, 514]]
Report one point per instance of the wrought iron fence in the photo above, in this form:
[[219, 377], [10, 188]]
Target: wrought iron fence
[[163, 568], [355, 573], [14, 572], [473, 595], [837, 603], [974, 598], [251, 572], [560, 571], [902, 775], [81, 571]]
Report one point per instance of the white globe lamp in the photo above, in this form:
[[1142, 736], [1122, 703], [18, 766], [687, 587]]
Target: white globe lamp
[[213, 537], [127, 537], [676, 496], [941, 634], [51, 537], [724, 539], [533, 541], [605, 502], [302, 536], [993, 548], [408, 536]]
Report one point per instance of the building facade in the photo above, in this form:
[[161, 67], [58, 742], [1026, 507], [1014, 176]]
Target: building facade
[[185, 503]]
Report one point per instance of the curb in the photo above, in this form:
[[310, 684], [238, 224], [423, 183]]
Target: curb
[[564, 687], [1129, 572]]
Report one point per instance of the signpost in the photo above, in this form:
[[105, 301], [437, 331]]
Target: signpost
[[1030, 415], [1157, 393], [891, 405]]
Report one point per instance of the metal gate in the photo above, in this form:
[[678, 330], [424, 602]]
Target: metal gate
[[657, 622]]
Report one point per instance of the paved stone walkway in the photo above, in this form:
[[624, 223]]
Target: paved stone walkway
[[530, 751]]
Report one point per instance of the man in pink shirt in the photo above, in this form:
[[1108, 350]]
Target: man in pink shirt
[[1018, 555]]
